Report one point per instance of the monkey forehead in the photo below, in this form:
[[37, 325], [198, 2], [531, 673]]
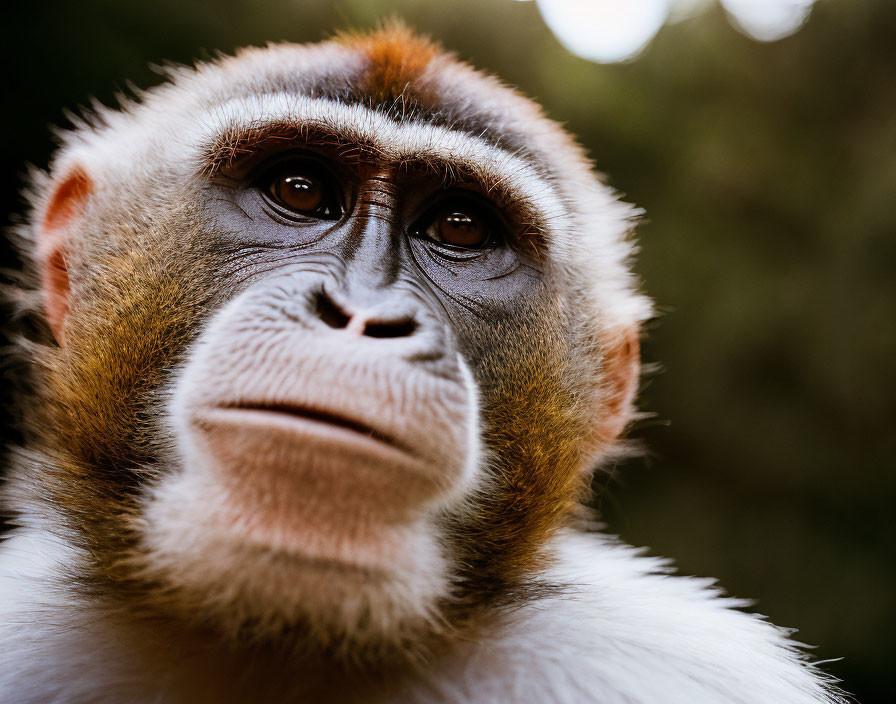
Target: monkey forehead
[[397, 72], [392, 92]]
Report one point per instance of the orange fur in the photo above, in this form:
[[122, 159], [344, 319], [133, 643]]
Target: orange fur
[[398, 57]]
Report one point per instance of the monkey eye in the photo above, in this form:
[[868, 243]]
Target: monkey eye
[[304, 189], [461, 223]]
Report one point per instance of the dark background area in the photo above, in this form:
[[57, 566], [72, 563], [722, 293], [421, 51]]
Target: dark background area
[[768, 174]]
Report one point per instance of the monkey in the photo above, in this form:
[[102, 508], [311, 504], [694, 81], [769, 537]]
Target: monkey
[[324, 344]]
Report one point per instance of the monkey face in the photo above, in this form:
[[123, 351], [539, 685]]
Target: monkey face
[[335, 359], [343, 321]]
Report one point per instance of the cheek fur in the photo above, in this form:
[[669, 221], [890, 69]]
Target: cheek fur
[[133, 310], [126, 332], [535, 393]]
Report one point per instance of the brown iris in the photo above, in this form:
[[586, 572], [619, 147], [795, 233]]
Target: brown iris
[[304, 188], [298, 192], [460, 229]]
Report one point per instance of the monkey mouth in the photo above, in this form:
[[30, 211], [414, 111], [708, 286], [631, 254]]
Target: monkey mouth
[[315, 418], [315, 467]]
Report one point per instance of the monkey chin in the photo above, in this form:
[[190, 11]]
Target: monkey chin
[[341, 578], [217, 568]]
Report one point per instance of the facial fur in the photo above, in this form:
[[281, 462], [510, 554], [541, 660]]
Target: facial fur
[[336, 429]]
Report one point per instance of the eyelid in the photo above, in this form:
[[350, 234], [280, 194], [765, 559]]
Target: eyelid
[[272, 168], [275, 159]]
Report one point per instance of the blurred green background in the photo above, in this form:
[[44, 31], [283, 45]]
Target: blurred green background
[[768, 174]]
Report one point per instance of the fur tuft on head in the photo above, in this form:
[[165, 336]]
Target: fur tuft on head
[[397, 57]]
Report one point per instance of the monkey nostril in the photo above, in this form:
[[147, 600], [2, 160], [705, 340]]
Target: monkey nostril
[[393, 328], [332, 314], [329, 312]]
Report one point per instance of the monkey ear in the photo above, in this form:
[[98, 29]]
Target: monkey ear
[[54, 234], [621, 374]]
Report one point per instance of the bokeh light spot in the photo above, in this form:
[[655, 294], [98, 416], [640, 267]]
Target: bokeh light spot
[[605, 31], [768, 20]]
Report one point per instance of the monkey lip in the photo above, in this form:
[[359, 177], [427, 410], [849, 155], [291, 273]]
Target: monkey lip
[[315, 481], [314, 419]]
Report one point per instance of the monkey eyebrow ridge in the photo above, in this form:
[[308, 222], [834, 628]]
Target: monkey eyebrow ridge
[[244, 127]]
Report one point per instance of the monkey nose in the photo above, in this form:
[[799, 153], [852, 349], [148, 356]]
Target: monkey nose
[[367, 323]]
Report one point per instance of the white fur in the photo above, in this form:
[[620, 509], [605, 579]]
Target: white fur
[[623, 632]]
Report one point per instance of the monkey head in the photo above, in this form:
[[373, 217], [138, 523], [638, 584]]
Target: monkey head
[[339, 333]]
